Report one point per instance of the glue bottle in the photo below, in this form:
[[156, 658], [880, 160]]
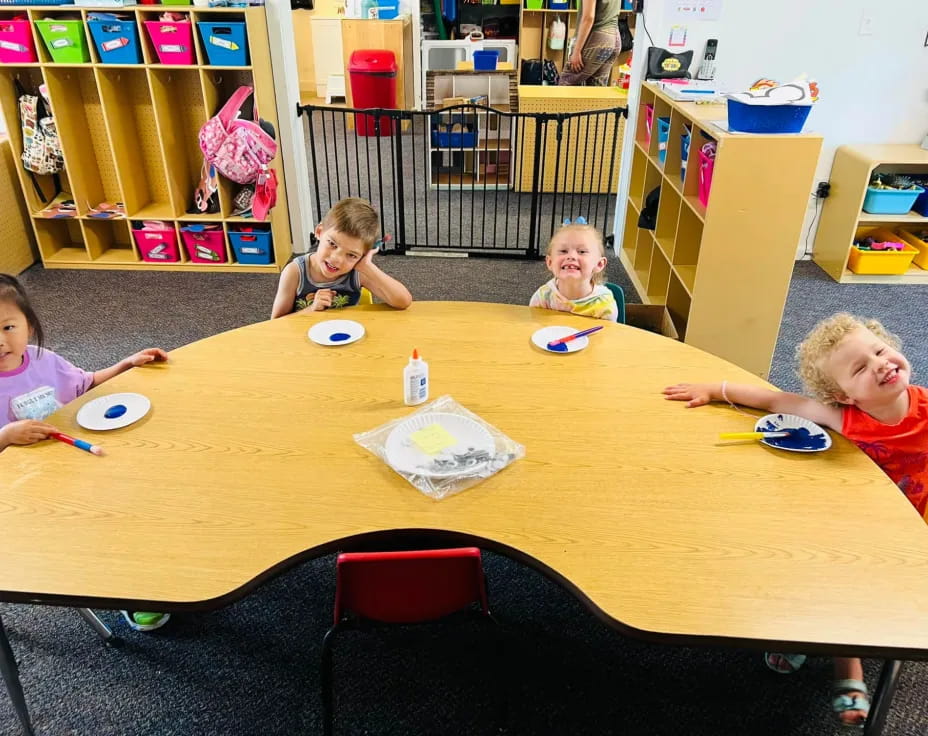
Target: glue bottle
[[415, 380]]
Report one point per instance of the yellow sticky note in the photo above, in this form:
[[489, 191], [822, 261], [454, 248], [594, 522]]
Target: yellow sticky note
[[433, 439]]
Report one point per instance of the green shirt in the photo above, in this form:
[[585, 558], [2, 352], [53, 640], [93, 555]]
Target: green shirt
[[607, 13]]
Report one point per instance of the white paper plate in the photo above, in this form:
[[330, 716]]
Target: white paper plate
[[542, 337], [804, 443], [336, 332], [474, 447], [113, 411]]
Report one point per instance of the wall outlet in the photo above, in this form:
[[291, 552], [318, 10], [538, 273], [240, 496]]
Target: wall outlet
[[866, 25]]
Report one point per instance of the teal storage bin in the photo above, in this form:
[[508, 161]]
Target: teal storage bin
[[255, 248], [890, 201], [226, 43]]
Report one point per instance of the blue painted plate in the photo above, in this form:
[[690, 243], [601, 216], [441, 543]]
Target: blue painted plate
[[809, 438]]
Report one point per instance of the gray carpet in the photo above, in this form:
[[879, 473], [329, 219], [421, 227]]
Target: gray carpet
[[252, 668]]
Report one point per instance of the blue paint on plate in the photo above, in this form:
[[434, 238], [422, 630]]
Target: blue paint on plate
[[115, 411], [561, 347], [799, 438], [339, 336]]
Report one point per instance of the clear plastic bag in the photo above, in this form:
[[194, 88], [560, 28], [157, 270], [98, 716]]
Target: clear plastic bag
[[442, 448]]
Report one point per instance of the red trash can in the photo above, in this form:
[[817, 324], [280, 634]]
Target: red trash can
[[373, 84]]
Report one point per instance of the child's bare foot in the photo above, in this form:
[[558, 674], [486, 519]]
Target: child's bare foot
[[851, 699]]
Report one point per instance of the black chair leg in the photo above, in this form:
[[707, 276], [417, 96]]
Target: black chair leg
[[502, 671], [883, 697], [328, 716], [10, 673]]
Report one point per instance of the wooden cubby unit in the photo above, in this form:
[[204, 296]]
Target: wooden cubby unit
[[722, 271], [842, 213], [129, 133]]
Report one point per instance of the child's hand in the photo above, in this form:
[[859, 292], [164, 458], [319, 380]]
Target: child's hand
[[146, 356], [366, 261], [695, 394], [25, 432], [322, 300]]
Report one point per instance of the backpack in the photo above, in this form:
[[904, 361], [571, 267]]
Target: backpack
[[239, 149], [41, 144]]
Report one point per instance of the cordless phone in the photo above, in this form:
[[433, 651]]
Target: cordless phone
[[707, 65]]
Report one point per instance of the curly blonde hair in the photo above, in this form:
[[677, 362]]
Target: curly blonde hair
[[819, 344], [600, 277]]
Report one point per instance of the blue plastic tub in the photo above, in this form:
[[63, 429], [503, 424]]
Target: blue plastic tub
[[663, 135], [485, 61], [447, 139], [890, 201], [252, 248], [388, 9], [226, 43], [557, 4], [766, 118], [684, 153], [117, 41], [921, 204]]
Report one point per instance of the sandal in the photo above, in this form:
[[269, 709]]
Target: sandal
[[850, 695], [784, 664]]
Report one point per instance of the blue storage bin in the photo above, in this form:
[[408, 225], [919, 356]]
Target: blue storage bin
[[485, 61], [684, 153], [254, 248], [766, 118], [921, 204], [459, 139], [388, 9], [117, 41], [663, 135], [226, 43], [557, 4], [890, 201]]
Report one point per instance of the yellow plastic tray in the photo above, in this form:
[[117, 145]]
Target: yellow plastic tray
[[880, 263], [921, 260]]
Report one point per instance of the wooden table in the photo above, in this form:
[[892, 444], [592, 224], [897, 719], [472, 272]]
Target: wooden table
[[246, 466]]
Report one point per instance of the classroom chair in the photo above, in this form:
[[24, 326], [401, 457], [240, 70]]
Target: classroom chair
[[619, 299], [409, 587]]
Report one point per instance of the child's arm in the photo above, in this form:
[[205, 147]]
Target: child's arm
[[286, 291], [778, 402], [24, 432], [384, 287], [140, 358]]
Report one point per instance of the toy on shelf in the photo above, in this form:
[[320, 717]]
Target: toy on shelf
[[869, 243], [891, 194]]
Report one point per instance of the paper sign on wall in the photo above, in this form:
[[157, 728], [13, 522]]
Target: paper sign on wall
[[681, 10]]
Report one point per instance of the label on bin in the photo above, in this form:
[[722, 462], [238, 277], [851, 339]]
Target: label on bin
[[58, 28], [172, 48], [251, 251], [60, 43], [116, 43], [223, 43], [159, 252], [9, 46]]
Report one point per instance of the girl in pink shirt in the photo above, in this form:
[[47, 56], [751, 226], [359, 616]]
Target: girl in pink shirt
[[35, 382]]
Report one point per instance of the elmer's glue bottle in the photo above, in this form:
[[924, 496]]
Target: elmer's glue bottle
[[415, 380]]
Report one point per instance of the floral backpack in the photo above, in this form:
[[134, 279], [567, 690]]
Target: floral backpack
[[41, 145], [239, 149]]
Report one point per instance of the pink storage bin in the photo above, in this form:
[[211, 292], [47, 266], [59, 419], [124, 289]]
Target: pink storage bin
[[173, 42], [648, 119], [204, 246], [17, 45], [706, 165], [157, 246]]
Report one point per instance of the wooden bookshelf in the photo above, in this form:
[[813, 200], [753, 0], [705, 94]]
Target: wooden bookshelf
[[722, 270], [129, 134], [842, 214]]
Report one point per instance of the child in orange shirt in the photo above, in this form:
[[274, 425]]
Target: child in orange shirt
[[861, 383]]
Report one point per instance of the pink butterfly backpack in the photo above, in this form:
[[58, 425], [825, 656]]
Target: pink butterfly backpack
[[239, 149]]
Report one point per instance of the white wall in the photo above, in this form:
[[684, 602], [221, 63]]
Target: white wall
[[874, 88]]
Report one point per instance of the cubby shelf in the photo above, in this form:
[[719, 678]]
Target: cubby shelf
[[722, 270], [842, 213], [129, 133]]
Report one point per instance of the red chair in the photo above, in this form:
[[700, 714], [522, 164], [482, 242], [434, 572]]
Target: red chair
[[400, 588]]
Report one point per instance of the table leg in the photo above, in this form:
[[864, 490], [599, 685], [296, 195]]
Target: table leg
[[11, 676], [883, 697]]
